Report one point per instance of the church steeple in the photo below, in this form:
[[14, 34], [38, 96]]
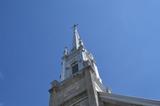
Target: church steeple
[[80, 80], [77, 59], [81, 84], [77, 42]]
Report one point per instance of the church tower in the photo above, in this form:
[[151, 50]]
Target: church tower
[[79, 79], [77, 59], [81, 85]]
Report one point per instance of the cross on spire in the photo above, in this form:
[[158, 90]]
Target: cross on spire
[[75, 26]]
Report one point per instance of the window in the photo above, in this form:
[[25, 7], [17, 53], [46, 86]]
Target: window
[[74, 68]]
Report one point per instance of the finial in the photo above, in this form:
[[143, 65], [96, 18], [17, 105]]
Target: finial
[[65, 51], [75, 25], [74, 28]]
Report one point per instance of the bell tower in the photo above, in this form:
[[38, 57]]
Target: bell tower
[[78, 58], [79, 80]]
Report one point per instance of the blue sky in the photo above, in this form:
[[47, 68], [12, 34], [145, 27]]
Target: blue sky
[[123, 35]]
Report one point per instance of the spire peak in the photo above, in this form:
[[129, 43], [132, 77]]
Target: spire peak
[[75, 26], [76, 37]]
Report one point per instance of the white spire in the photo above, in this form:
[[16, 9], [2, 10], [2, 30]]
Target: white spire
[[76, 38], [78, 58]]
